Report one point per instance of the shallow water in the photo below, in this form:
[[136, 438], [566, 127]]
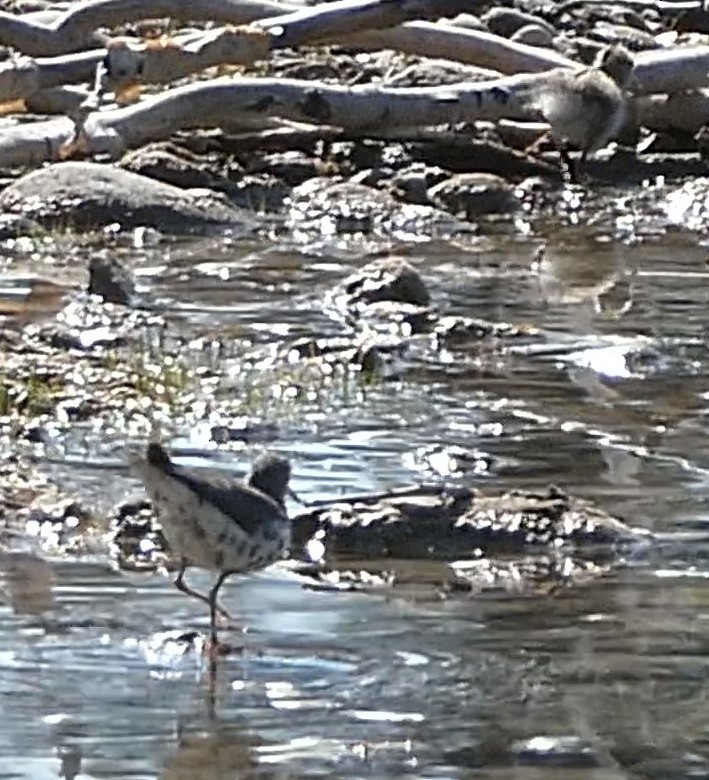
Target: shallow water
[[602, 681]]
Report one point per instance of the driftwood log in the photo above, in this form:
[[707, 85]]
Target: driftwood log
[[122, 65]]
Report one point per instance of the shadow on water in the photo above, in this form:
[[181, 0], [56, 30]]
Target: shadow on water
[[102, 672]]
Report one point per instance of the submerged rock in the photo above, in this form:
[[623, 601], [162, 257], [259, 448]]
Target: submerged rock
[[325, 207], [389, 279], [389, 290], [474, 194], [33, 506]]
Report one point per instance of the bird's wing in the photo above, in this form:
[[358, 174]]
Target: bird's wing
[[247, 507]]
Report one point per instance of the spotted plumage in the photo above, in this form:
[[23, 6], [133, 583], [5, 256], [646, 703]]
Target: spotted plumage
[[215, 522]]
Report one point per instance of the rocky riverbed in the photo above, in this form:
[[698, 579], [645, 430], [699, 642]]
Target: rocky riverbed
[[326, 234]]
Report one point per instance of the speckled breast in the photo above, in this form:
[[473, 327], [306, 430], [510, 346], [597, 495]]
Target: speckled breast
[[209, 539]]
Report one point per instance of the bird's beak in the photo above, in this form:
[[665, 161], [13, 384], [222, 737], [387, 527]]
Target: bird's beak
[[292, 494]]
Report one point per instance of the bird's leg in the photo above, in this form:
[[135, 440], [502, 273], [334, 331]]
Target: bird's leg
[[569, 170], [183, 587], [579, 172], [215, 649]]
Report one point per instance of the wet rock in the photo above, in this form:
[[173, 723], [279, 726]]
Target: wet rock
[[111, 280], [545, 573], [507, 21], [169, 163], [553, 751], [456, 538], [86, 324], [243, 430], [389, 293], [369, 356], [31, 505], [451, 524], [291, 167], [326, 207], [87, 196], [389, 279], [533, 35], [474, 195], [413, 183], [688, 204], [462, 332], [261, 193], [445, 460], [137, 541]]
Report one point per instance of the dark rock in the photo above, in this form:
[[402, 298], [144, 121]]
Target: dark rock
[[111, 280], [86, 196], [486, 156], [633, 38], [693, 20], [534, 35], [389, 279], [259, 192], [475, 194], [171, 164], [429, 72], [507, 21], [292, 167], [325, 206], [412, 183], [439, 523]]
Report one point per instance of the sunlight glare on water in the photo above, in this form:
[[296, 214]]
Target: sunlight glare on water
[[103, 672]]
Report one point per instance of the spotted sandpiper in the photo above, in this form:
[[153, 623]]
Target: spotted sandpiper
[[217, 523], [585, 108]]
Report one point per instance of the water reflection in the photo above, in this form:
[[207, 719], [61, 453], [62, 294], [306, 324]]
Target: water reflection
[[28, 581]]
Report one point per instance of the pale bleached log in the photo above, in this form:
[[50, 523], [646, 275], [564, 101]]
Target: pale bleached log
[[297, 25], [22, 76], [183, 55], [672, 70], [472, 47], [657, 70], [333, 20], [57, 100], [227, 102], [69, 31], [243, 45], [238, 103], [686, 112], [252, 102]]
